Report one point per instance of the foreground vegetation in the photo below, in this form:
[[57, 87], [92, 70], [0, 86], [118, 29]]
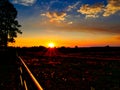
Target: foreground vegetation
[[75, 69]]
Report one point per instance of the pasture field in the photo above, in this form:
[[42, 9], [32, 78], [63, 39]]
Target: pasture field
[[73, 69]]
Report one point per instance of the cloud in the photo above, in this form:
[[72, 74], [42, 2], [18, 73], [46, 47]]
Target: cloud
[[73, 6], [43, 14], [118, 37], [70, 22], [112, 7], [91, 27], [91, 11], [95, 10], [55, 17], [24, 2]]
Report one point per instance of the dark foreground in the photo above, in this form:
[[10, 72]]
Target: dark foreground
[[75, 69], [64, 68], [8, 70]]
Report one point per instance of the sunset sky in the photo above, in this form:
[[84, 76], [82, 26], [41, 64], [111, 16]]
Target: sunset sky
[[69, 23]]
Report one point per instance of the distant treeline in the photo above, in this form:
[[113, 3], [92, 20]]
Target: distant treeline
[[68, 49]]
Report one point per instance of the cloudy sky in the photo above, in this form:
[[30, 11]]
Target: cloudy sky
[[69, 23]]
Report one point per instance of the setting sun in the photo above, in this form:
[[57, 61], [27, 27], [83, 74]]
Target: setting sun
[[51, 45]]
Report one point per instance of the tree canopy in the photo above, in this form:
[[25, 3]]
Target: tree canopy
[[9, 26]]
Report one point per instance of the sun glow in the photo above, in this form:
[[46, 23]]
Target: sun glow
[[51, 45]]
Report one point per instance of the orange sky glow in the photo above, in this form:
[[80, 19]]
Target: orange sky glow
[[28, 42]]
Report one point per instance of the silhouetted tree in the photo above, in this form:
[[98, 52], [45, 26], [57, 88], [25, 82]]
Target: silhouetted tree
[[8, 23]]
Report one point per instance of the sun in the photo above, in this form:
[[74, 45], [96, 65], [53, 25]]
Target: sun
[[51, 45]]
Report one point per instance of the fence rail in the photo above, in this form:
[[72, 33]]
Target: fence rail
[[33, 79]]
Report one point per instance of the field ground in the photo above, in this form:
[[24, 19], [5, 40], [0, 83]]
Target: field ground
[[75, 69]]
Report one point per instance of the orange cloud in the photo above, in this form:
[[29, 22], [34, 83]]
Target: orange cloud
[[55, 17], [94, 11], [112, 7], [117, 37], [91, 11]]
